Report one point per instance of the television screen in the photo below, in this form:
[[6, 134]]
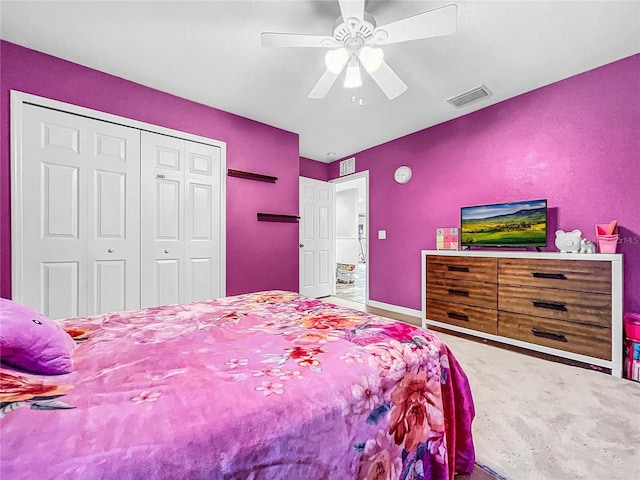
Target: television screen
[[514, 224]]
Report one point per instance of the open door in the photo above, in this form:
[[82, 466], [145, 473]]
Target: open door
[[351, 244], [317, 238]]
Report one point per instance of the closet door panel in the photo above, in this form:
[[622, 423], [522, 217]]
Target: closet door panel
[[107, 275], [168, 285], [60, 296], [80, 219], [113, 199], [162, 223], [54, 229], [203, 217]]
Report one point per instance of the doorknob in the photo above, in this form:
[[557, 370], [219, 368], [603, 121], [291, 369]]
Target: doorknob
[[166, 251], [301, 245], [111, 250]]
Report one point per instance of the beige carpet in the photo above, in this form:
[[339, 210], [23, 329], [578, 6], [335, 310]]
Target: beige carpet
[[541, 420], [537, 419]]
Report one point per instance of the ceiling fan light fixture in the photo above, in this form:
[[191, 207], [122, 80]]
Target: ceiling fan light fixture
[[353, 79], [335, 60], [371, 58]]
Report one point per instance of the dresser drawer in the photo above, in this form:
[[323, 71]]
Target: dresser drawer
[[475, 318], [565, 305], [463, 291], [571, 337], [578, 275], [462, 267]]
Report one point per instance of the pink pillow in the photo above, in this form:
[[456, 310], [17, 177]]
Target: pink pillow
[[31, 341]]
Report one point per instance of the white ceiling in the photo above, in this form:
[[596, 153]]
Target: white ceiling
[[210, 52]]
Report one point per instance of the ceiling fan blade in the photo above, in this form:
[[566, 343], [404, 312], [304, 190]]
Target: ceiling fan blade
[[352, 9], [434, 23], [295, 40], [323, 86], [390, 83]]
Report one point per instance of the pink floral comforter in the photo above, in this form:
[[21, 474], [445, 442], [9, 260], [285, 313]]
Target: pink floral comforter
[[270, 385]]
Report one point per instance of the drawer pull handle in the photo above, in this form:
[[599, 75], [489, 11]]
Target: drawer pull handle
[[550, 335], [457, 268], [462, 293], [458, 316], [550, 276], [549, 305]]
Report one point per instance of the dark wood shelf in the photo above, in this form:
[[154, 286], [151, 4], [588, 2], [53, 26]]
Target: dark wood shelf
[[251, 176], [277, 217]]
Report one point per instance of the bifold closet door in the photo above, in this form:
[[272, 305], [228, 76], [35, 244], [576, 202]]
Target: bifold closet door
[[181, 215], [79, 214]]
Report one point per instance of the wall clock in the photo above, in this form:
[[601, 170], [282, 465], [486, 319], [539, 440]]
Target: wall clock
[[402, 174]]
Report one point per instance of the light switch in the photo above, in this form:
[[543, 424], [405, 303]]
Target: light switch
[[382, 234]]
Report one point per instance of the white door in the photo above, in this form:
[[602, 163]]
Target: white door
[[162, 221], [113, 203], [203, 210], [78, 214], [181, 217], [317, 270]]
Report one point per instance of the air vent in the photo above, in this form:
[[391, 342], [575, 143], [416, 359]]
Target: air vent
[[470, 96], [348, 166]]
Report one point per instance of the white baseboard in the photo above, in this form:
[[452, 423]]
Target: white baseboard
[[395, 308]]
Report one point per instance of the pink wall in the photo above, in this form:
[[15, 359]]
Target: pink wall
[[314, 169], [575, 142], [260, 255]]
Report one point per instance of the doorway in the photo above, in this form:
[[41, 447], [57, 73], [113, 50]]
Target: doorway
[[352, 228]]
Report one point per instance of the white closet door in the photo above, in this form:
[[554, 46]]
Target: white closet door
[[162, 223], [202, 222], [80, 214], [113, 200], [181, 205]]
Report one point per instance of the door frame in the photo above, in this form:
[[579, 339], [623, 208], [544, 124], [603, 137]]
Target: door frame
[[18, 100], [355, 176]]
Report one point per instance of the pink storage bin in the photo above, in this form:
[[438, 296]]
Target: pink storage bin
[[608, 243], [632, 326]]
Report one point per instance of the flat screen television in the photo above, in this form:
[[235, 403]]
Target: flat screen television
[[513, 224]]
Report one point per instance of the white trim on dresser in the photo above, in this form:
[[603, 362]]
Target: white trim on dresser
[[615, 364]]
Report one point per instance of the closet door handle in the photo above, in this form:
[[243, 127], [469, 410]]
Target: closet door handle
[[457, 268], [549, 305], [111, 250], [166, 250], [458, 316], [461, 293], [550, 335], [551, 276]]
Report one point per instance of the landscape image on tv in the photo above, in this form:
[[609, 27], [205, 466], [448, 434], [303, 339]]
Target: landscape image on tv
[[505, 224]]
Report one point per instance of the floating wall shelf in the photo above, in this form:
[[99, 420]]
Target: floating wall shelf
[[251, 176], [277, 217]]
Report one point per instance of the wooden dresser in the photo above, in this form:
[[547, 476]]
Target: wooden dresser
[[568, 305]]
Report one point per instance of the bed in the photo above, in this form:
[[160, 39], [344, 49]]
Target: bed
[[269, 385]]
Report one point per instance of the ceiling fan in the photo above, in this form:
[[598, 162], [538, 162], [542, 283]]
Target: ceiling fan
[[356, 40]]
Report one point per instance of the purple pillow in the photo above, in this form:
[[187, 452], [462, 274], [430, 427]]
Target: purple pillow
[[31, 341]]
